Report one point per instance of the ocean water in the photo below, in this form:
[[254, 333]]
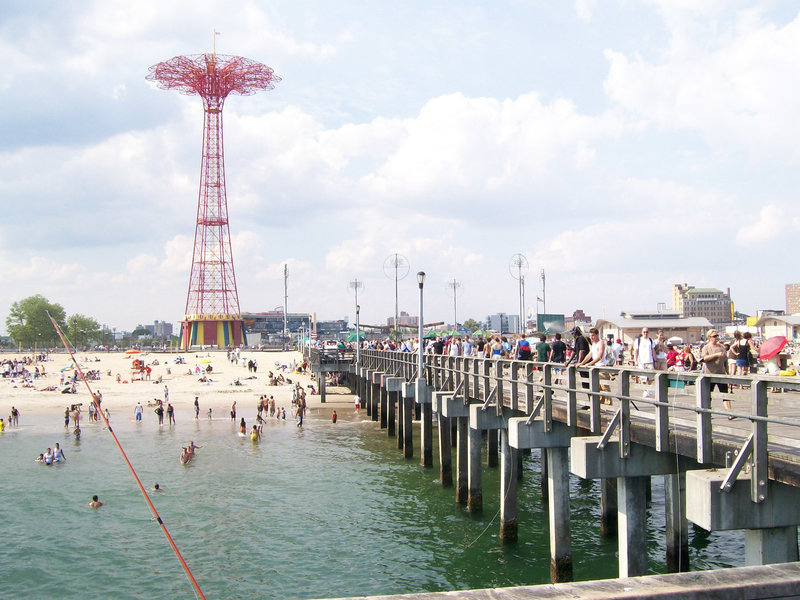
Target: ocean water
[[324, 511]]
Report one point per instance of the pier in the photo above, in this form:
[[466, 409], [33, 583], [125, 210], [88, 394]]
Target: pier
[[619, 425]]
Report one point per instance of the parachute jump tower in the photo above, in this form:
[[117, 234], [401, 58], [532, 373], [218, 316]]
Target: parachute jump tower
[[212, 315]]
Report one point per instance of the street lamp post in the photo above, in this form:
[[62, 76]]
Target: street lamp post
[[358, 338], [421, 349], [422, 393]]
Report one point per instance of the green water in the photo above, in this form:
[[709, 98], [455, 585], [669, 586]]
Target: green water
[[326, 511]]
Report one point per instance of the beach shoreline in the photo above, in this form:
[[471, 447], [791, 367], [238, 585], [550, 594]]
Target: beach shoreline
[[182, 380]]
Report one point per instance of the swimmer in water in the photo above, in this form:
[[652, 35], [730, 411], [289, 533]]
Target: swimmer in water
[[58, 454], [95, 503], [186, 456], [156, 488]]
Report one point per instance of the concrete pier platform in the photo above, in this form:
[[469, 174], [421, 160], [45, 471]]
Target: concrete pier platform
[[778, 582]]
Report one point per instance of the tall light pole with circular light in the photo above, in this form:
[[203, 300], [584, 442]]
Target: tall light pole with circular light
[[395, 267], [518, 267], [358, 337], [455, 286]]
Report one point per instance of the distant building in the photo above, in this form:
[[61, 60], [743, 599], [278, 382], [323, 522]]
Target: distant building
[[785, 325], [578, 318], [708, 303], [502, 323], [161, 330], [272, 322], [690, 330], [403, 319], [792, 298], [651, 314]]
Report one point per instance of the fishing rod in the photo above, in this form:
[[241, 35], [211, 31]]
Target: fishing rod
[[127, 461]]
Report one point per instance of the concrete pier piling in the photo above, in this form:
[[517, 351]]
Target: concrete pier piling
[[509, 521], [462, 465], [474, 484]]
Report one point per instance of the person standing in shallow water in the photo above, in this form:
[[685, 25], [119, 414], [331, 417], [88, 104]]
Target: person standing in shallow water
[[333, 417], [196, 408]]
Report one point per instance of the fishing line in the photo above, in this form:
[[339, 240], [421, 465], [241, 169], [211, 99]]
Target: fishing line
[[128, 462], [674, 426]]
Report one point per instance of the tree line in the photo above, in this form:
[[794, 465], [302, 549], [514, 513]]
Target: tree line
[[28, 324]]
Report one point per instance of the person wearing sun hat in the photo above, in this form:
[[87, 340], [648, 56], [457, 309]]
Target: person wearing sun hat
[[715, 362]]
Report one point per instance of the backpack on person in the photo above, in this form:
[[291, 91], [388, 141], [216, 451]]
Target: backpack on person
[[523, 350], [608, 360]]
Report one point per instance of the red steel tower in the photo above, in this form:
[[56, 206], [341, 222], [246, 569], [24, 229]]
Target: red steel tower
[[212, 315]]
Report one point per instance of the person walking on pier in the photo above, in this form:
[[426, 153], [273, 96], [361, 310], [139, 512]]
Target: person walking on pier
[[715, 362]]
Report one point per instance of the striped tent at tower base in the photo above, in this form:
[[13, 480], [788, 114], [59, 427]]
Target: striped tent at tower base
[[209, 331]]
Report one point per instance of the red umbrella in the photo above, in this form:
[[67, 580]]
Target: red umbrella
[[772, 347]]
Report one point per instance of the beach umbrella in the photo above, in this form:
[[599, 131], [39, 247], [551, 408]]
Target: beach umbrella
[[430, 335], [351, 337], [479, 332], [772, 347], [675, 340], [132, 351], [205, 360]]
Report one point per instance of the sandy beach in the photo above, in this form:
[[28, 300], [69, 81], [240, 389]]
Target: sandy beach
[[182, 380]]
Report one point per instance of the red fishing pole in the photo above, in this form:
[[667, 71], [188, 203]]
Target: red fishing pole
[[128, 462]]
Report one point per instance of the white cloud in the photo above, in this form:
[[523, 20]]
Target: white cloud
[[775, 225], [742, 88], [584, 9]]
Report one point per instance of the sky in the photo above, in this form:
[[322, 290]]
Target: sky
[[620, 146]]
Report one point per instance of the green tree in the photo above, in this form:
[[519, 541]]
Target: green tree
[[82, 330], [471, 325], [28, 324], [140, 331]]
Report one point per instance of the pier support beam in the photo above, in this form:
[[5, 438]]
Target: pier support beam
[[366, 390], [590, 461], [771, 524], [443, 427], [462, 470], [422, 396], [384, 395], [456, 410], [492, 420], [407, 414], [491, 448], [394, 385], [632, 501], [677, 525], [374, 393], [608, 507], [475, 487], [555, 450], [559, 514], [509, 524], [322, 381]]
